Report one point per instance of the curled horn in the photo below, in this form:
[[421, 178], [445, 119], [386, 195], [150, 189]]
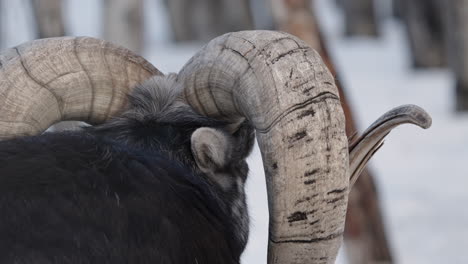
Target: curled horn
[[70, 78], [282, 87]]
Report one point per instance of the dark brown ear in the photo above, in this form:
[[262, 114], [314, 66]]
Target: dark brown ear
[[211, 148]]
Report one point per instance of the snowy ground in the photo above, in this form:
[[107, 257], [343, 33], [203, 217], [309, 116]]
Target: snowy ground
[[422, 174]]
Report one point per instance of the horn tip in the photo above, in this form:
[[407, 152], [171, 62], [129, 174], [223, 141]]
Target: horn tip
[[420, 117]]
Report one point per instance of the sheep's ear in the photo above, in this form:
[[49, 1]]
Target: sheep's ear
[[211, 148]]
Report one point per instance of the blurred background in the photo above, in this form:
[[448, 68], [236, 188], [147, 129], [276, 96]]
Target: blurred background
[[410, 205]]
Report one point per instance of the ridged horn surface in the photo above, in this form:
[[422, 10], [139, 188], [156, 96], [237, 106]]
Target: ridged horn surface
[[68, 78], [282, 86]]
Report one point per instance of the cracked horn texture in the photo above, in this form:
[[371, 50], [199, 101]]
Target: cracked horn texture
[[69, 78], [284, 89]]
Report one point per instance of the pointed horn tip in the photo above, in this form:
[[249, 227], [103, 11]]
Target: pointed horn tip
[[416, 114]]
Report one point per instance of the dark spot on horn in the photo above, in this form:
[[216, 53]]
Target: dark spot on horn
[[274, 166], [309, 112], [314, 222], [337, 191], [310, 241], [306, 91], [331, 201], [309, 182], [298, 136], [306, 200], [297, 86], [310, 173], [297, 216]]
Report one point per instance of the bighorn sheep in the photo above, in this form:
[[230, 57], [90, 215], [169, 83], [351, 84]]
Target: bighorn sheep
[[271, 81]]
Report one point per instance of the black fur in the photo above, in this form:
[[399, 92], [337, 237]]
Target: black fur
[[127, 191]]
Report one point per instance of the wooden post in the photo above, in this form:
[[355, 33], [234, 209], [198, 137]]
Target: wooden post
[[456, 19], [203, 20], [365, 237], [48, 16], [424, 27], [360, 19], [123, 23], [397, 8], [1, 23], [261, 14], [339, 3]]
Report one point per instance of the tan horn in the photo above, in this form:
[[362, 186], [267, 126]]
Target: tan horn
[[282, 86], [69, 78], [362, 148]]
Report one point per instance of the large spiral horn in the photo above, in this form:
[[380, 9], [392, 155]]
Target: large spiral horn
[[69, 78], [283, 88]]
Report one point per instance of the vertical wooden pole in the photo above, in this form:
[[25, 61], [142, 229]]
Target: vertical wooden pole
[[360, 18], [203, 20], [424, 27], [1, 23], [48, 16], [123, 23], [456, 30], [397, 8], [339, 3]]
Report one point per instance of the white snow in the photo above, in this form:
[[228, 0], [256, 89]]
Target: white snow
[[422, 175]]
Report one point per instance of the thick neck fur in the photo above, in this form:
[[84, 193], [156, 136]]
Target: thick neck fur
[[157, 119]]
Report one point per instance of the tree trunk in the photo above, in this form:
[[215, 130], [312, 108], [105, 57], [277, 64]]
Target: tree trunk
[[397, 8], [424, 26], [48, 15], [360, 19], [261, 14], [123, 23], [456, 19], [1, 23], [339, 3], [202, 20], [365, 237]]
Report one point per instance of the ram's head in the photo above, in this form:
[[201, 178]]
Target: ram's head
[[272, 79]]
